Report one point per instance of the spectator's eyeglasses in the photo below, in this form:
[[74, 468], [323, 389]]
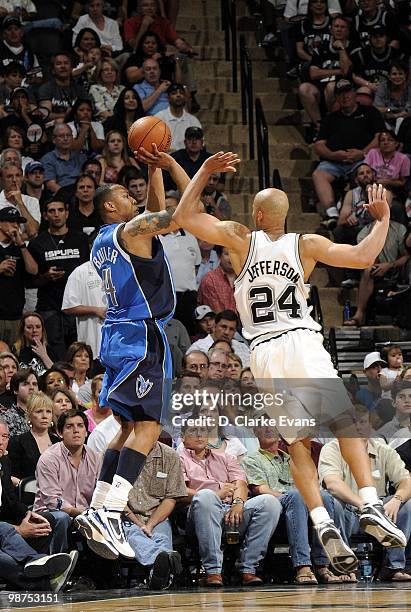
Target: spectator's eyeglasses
[[223, 366], [5, 436], [58, 380]]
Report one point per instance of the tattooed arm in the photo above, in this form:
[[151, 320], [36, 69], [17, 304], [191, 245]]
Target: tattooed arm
[[150, 224]]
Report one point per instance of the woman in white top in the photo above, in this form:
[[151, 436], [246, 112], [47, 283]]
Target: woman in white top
[[106, 91], [88, 135], [80, 355]]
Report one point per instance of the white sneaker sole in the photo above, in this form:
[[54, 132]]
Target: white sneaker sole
[[96, 541], [388, 537], [54, 565], [341, 557]]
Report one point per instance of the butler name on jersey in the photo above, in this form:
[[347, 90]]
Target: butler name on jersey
[[270, 291]]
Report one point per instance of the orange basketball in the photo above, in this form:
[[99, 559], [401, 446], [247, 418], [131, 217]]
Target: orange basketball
[[147, 130]]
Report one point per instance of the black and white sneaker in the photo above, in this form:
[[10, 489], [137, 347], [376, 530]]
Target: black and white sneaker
[[49, 565], [92, 527], [57, 583], [165, 567], [375, 522], [341, 557], [113, 525]]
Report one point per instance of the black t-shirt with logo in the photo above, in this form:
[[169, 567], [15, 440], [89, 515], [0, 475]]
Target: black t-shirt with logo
[[62, 98], [313, 35], [66, 252], [12, 287], [373, 67], [355, 131], [328, 58], [24, 57], [362, 27]]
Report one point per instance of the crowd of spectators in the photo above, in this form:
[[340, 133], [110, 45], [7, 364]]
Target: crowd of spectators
[[64, 129]]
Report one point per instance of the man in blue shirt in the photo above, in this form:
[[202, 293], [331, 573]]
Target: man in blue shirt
[[62, 165], [152, 91]]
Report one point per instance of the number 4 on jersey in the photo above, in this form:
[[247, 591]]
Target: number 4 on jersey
[[264, 306], [108, 286]]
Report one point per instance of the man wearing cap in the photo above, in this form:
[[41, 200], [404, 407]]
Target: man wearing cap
[[205, 318], [370, 395], [27, 206], [19, 112], [191, 157], [12, 48], [34, 182], [372, 13], [344, 138], [371, 64], [152, 90], [176, 117], [15, 263]]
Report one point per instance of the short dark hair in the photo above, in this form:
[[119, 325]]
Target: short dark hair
[[82, 176], [219, 249], [90, 162], [100, 197], [54, 201], [19, 377], [227, 315], [77, 346], [395, 389], [43, 377], [184, 364], [128, 174], [186, 374], [70, 414]]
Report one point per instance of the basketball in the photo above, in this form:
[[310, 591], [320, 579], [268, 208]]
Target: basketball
[[148, 130]]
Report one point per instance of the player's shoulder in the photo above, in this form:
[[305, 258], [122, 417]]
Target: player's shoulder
[[235, 229]]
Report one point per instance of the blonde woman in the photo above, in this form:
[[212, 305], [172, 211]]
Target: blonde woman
[[235, 366], [26, 449], [115, 156], [106, 90]]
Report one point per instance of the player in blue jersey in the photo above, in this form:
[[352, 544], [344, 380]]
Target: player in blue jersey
[[137, 280]]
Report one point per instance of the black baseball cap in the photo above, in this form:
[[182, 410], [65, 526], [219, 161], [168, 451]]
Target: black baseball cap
[[344, 85], [10, 21], [10, 213], [175, 87], [378, 30], [193, 133]]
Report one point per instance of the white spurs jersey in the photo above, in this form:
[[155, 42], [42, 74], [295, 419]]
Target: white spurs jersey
[[270, 292]]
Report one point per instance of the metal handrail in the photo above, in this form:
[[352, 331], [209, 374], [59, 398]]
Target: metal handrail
[[317, 312], [263, 158], [229, 24], [247, 94], [332, 347]]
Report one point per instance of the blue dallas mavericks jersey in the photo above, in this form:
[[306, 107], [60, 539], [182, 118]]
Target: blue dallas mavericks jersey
[[136, 288], [134, 347]]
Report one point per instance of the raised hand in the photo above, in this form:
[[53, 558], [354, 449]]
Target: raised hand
[[222, 162], [158, 159], [377, 202]]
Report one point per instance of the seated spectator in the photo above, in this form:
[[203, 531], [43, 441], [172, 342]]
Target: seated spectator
[[22, 384], [152, 91], [83, 297], [386, 269], [179, 341], [25, 449], [96, 414], [329, 61], [391, 373], [209, 260], [215, 202], [115, 156], [106, 28], [80, 356], [205, 319], [176, 117], [150, 46], [234, 366], [385, 461], [353, 216], [222, 345], [312, 31], [401, 397], [66, 475], [191, 157], [25, 569], [370, 394], [392, 168], [373, 14], [63, 401], [6, 397], [28, 207], [218, 364], [62, 165], [31, 347], [268, 471], [67, 368], [22, 116], [15, 138], [225, 327], [16, 267], [126, 111], [52, 379], [345, 137], [37, 529], [217, 287], [147, 526], [84, 71], [34, 183], [85, 40], [59, 94], [404, 136], [393, 97], [12, 47], [10, 366], [136, 184], [247, 381], [218, 492], [196, 361], [83, 216], [371, 64], [107, 88], [88, 135], [93, 168]]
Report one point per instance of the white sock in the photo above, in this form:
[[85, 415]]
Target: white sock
[[369, 495], [99, 495], [332, 211], [117, 497], [319, 515]]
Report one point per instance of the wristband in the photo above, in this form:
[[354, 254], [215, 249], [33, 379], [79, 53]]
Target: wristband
[[399, 497]]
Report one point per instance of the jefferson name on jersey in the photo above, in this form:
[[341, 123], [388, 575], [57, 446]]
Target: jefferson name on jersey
[[280, 268]]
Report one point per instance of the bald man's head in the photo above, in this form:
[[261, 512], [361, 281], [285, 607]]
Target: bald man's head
[[270, 208]]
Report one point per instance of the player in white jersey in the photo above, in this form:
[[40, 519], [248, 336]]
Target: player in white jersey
[[272, 268]]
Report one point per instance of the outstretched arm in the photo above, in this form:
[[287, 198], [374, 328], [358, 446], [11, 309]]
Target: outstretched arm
[[159, 159], [190, 215], [362, 255], [156, 199]]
